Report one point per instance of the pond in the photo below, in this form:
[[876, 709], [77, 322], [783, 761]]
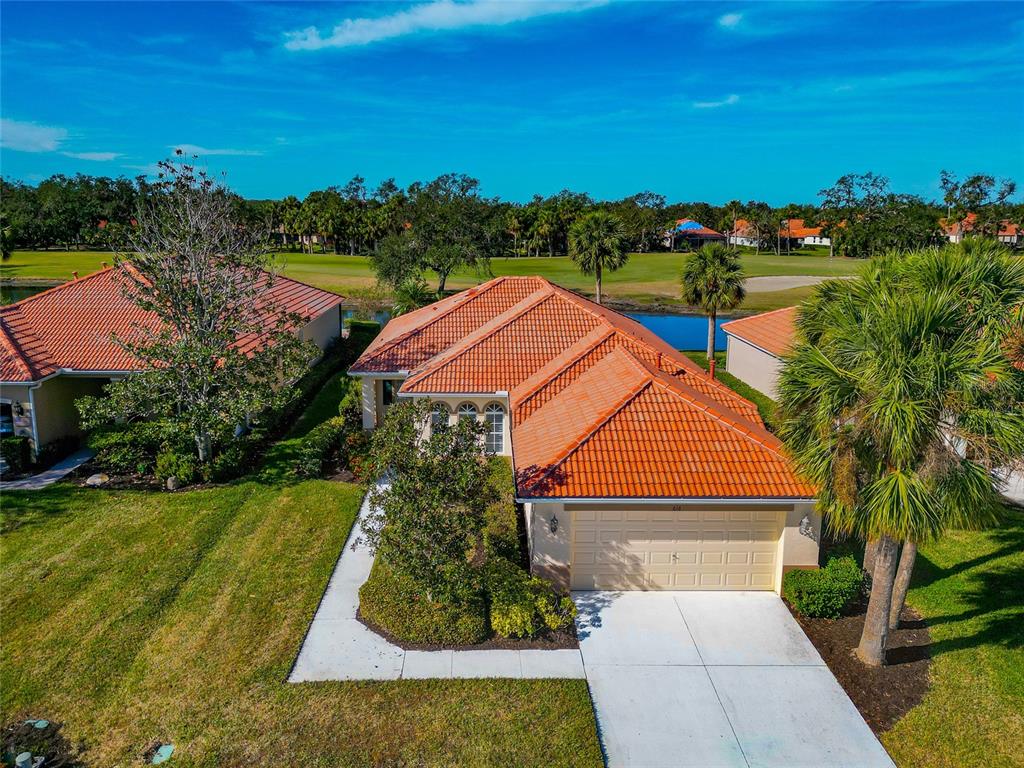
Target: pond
[[10, 294], [683, 331]]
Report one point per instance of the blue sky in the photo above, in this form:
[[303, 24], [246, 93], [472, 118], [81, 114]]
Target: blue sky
[[697, 101]]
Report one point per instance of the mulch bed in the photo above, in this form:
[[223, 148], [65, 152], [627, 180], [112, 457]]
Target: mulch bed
[[882, 695], [48, 742], [550, 641]]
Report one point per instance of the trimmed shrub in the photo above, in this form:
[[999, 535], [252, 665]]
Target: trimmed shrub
[[183, 466], [16, 453], [234, 459], [521, 605], [125, 449], [351, 404], [501, 518], [827, 592], [321, 445], [395, 604]]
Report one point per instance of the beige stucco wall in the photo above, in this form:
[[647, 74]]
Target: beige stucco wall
[[51, 405], [373, 407], [551, 553], [752, 365], [323, 329]]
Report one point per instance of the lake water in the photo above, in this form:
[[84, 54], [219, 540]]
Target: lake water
[[9, 294], [683, 331]]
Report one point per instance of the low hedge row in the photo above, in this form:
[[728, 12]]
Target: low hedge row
[[827, 592], [16, 452], [396, 604]]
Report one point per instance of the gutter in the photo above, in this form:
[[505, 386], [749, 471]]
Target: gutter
[[751, 344]]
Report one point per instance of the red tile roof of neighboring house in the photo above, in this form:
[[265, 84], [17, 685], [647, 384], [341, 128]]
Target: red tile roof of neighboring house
[[595, 397], [797, 228], [1006, 227], [69, 327], [624, 429], [771, 331]]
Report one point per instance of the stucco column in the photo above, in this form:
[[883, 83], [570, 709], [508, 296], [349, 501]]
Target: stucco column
[[369, 398], [798, 548]]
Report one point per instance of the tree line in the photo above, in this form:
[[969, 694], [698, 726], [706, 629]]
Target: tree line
[[448, 221]]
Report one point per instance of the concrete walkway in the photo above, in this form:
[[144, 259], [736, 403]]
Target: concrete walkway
[[339, 647], [58, 471], [714, 679]]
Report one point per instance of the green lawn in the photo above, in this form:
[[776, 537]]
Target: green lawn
[[646, 277], [134, 616], [970, 589]]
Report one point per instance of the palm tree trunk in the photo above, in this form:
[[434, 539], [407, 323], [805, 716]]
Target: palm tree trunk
[[711, 342], [870, 551], [873, 639], [903, 575], [597, 273]]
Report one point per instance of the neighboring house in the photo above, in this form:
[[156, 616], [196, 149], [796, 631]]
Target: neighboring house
[[755, 346], [634, 468], [1009, 233], [692, 233], [800, 234], [794, 230], [56, 346]]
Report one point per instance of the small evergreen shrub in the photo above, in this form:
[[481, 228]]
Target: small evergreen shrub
[[395, 604], [321, 445], [183, 466], [501, 518], [125, 449], [827, 592], [16, 453], [522, 605]]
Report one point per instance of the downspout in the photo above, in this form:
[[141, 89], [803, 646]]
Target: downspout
[[35, 424]]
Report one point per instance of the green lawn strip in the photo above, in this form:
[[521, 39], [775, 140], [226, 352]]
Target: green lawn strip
[[765, 405], [968, 587], [646, 277]]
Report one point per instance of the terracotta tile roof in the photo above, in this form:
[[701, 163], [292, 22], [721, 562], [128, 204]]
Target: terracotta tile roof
[[797, 228], [771, 331], [1006, 228], [561, 372], [69, 326], [411, 339], [624, 429]]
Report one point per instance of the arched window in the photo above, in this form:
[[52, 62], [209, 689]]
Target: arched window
[[439, 417], [467, 411], [494, 438]]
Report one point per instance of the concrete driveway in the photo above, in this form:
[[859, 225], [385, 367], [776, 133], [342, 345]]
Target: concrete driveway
[[714, 679]]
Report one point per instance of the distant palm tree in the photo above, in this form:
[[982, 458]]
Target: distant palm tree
[[900, 400], [597, 243], [411, 295], [713, 280]]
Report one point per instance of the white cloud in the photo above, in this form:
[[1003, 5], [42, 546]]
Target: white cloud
[[728, 101], [99, 157], [730, 20], [30, 137], [195, 149], [435, 16]]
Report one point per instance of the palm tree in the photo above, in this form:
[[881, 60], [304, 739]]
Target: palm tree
[[899, 402], [597, 244], [713, 280]]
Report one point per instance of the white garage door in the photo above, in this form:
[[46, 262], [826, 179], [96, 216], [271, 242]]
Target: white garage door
[[674, 548]]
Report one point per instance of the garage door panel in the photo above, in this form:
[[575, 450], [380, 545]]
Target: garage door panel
[[674, 549]]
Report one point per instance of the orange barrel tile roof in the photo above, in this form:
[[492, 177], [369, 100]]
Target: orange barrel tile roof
[[69, 327], [774, 332], [626, 430], [601, 406]]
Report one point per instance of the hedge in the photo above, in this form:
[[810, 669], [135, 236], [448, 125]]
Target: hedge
[[501, 518], [16, 453], [394, 603], [827, 592]]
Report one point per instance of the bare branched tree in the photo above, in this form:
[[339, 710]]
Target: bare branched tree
[[214, 347]]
